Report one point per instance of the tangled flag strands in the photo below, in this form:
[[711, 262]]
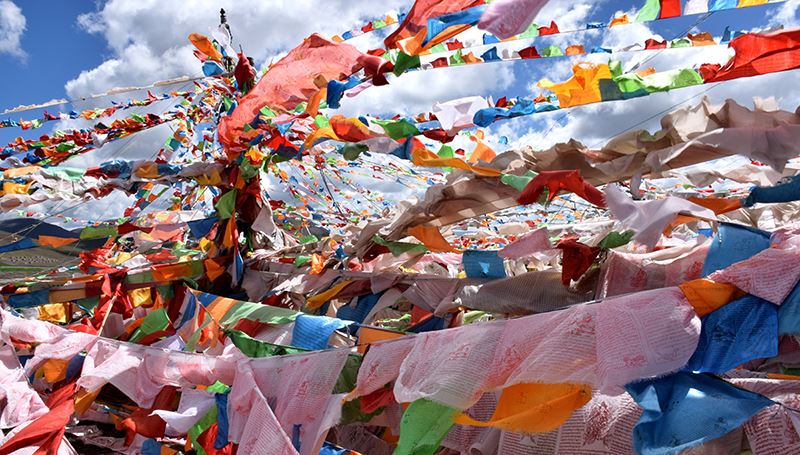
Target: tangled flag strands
[[288, 279]]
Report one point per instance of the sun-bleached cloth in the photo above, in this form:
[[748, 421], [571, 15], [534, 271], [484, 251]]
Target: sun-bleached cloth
[[193, 406], [774, 429], [359, 438], [298, 388], [431, 294], [623, 273], [457, 114], [605, 345], [526, 245], [20, 403], [141, 372], [650, 218], [506, 18], [252, 424], [528, 293], [770, 274]]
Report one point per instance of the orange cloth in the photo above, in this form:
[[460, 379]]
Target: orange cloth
[[369, 335], [84, 399], [230, 236], [350, 129], [424, 157], [718, 205], [706, 296], [702, 39], [575, 49], [213, 270], [312, 108], [19, 171], [55, 242], [533, 408], [204, 45], [316, 301], [431, 238], [54, 312], [171, 272], [317, 264], [16, 188], [621, 20], [482, 151], [582, 88], [55, 370], [743, 3]]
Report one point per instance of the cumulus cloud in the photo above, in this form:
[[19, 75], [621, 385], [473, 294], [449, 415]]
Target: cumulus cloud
[[12, 26], [148, 39]]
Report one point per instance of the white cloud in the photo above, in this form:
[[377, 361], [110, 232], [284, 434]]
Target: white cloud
[[148, 38], [12, 25], [786, 15]]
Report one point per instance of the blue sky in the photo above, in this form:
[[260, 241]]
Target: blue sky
[[79, 47]]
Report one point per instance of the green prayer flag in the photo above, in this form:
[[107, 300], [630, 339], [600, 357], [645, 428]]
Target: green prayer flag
[[96, 232], [398, 248], [88, 304], [267, 112], [66, 173], [300, 261], [350, 152], [650, 11], [423, 427], [616, 239], [258, 312], [552, 51], [518, 182], [680, 42], [398, 129], [405, 62], [65, 146], [252, 347], [438, 48], [663, 81], [456, 59], [531, 32], [226, 205], [154, 322], [322, 121], [200, 427]]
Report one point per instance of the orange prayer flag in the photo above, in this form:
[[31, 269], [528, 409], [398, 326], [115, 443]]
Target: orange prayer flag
[[316, 301], [213, 270], [482, 151], [55, 242], [575, 49], [370, 335], [706, 296], [204, 45], [431, 238], [717, 204], [312, 108], [317, 263], [424, 157], [621, 20], [171, 272], [55, 370], [702, 39], [84, 399], [533, 408], [19, 171]]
